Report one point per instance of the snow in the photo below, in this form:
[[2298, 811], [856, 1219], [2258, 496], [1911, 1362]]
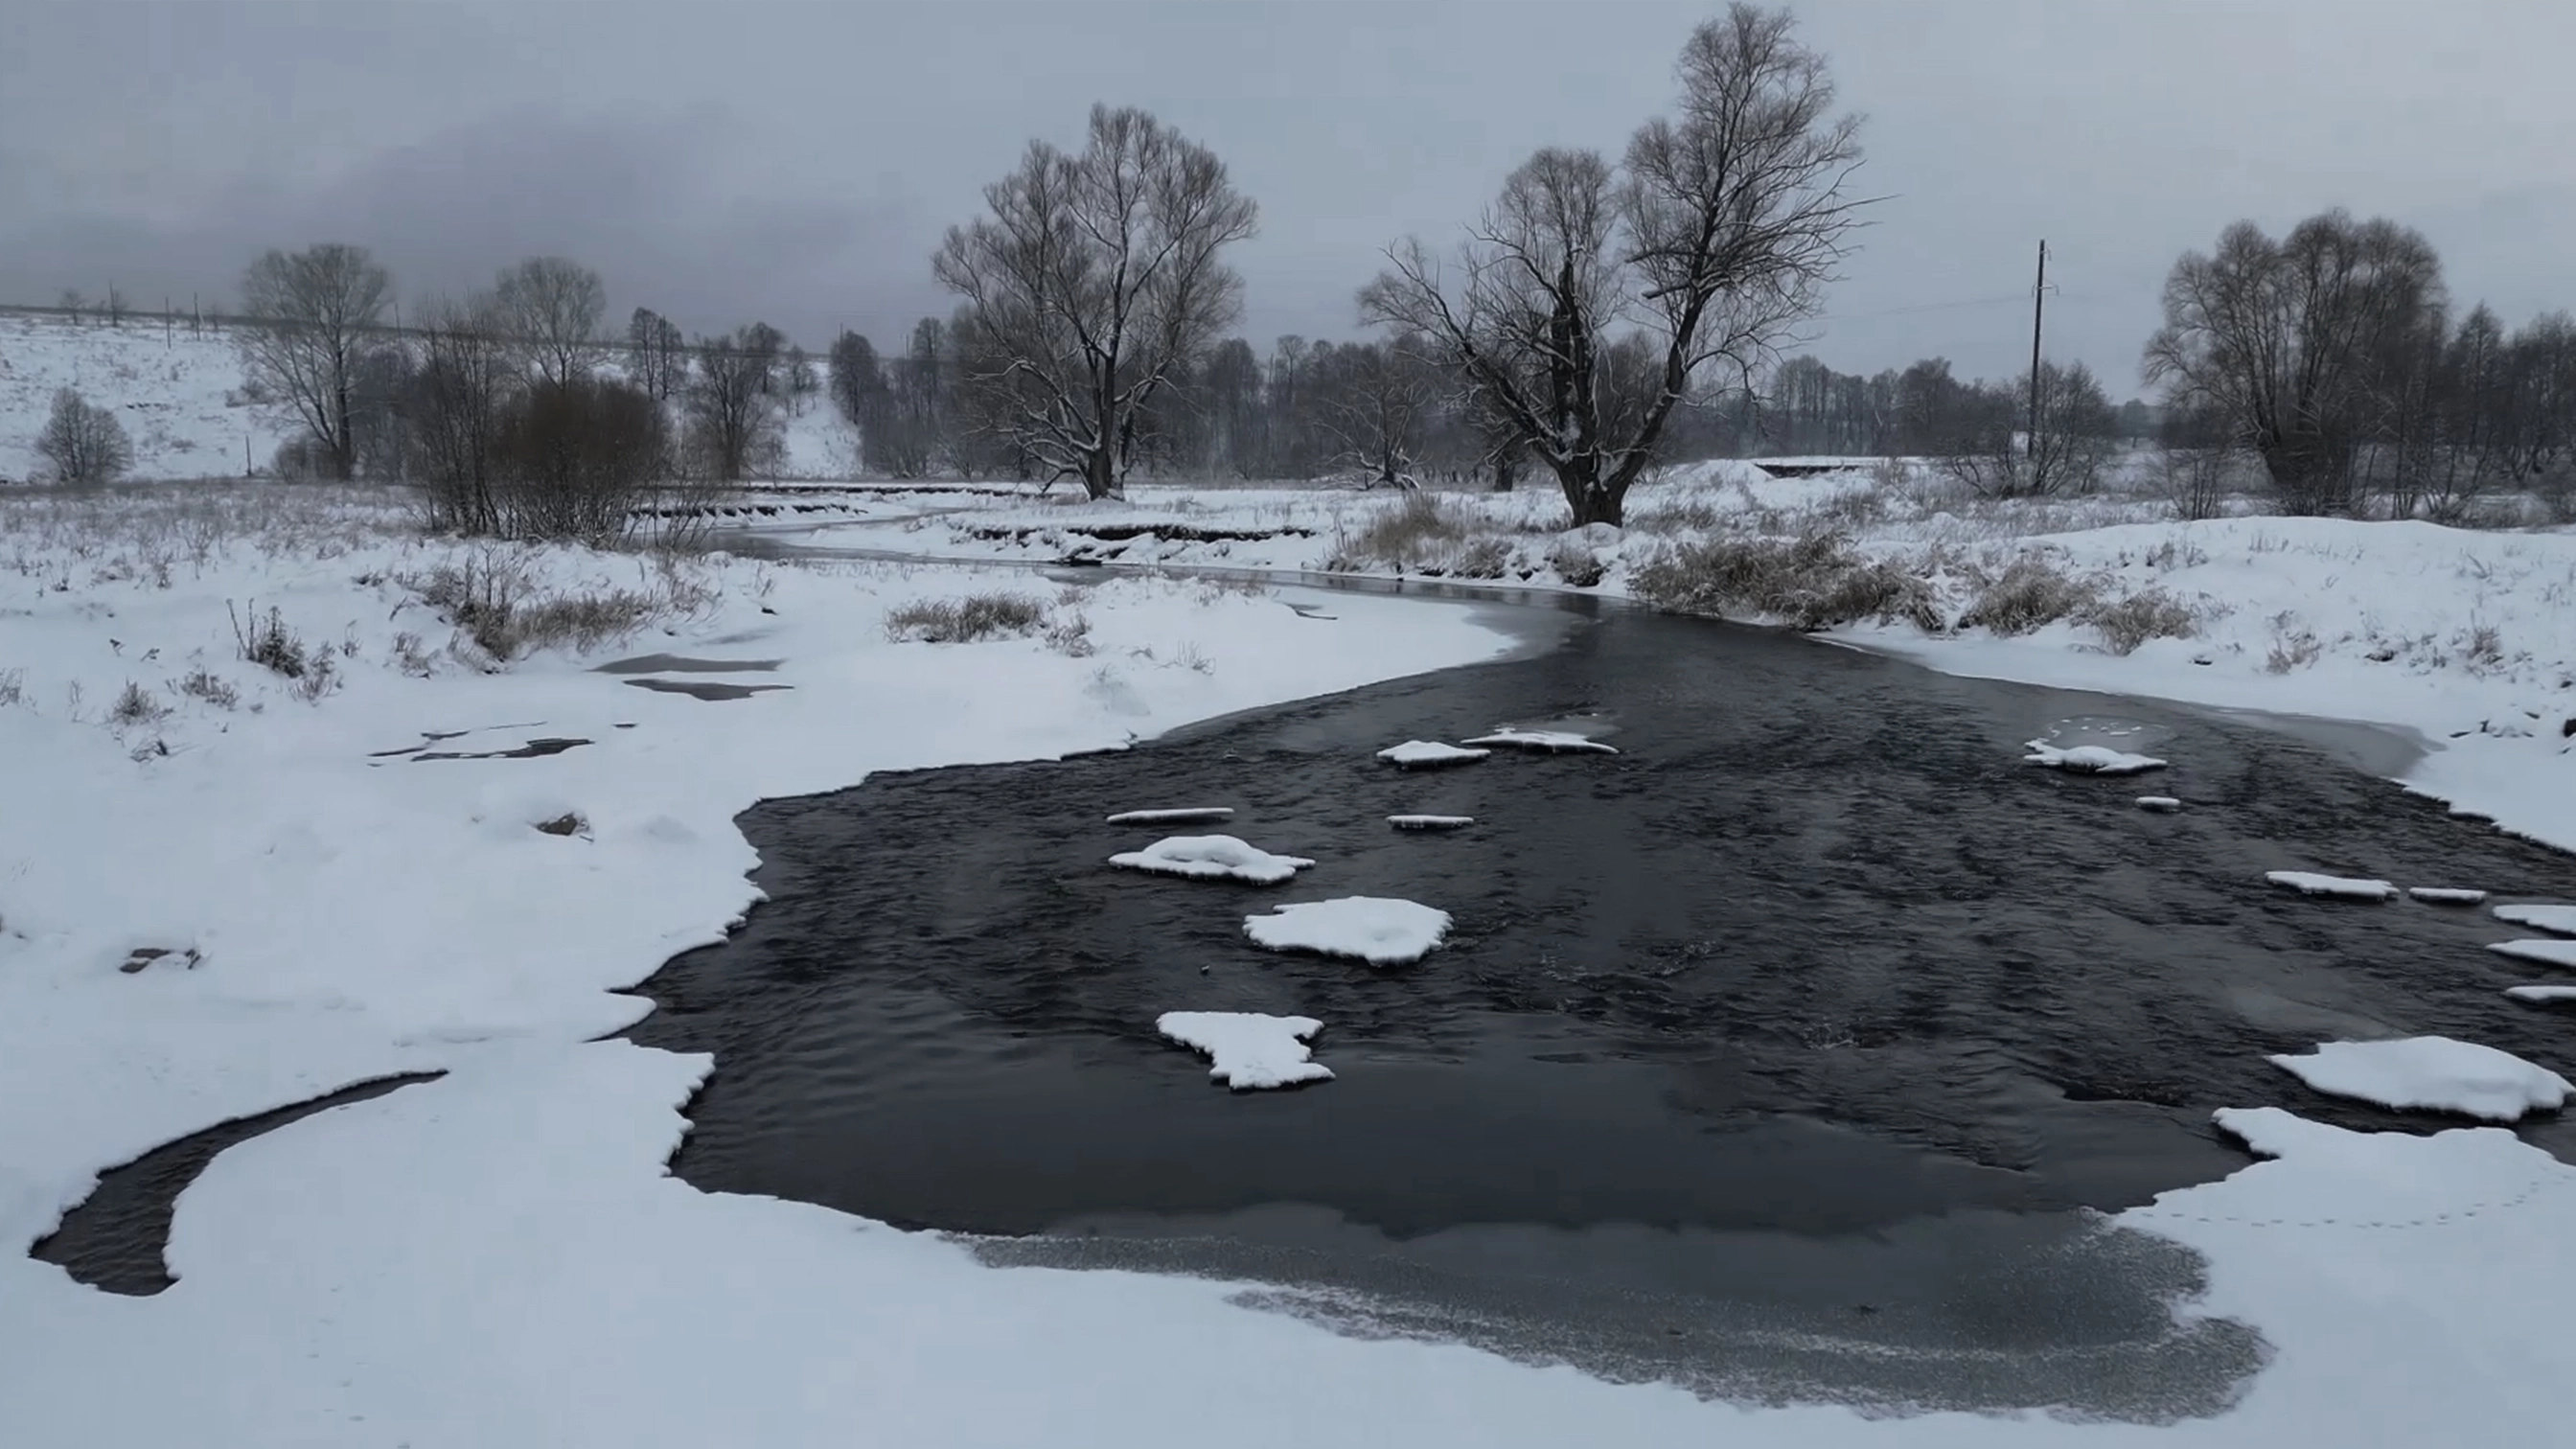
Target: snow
[[458, 1262], [2548, 952], [1552, 742], [1431, 822], [1376, 929], [2431, 1072], [1249, 1050], [2558, 918], [2162, 804], [1211, 857], [1183, 815], [2542, 995], [2090, 759], [2447, 895], [2341, 887], [1428, 754]]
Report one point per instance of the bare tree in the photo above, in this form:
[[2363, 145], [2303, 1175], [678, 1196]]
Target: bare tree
[[73, 302], [468, 379], [2292, 342], [84, 442], [2078, 433], [113, 306], [733, 419], [1711, 241], [1096, 275], [657, 356], [1376, 399], [313, 315], [554, 305]]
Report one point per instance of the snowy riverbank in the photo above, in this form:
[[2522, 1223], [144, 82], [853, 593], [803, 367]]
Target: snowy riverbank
[[499, 1258]]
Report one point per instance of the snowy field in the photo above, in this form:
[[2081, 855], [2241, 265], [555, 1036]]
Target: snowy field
[[374, 853], [179, 395]]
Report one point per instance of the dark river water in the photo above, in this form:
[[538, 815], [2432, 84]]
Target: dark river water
[[1786, 1055]]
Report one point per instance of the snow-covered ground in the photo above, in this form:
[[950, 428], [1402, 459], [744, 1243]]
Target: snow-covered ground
[[348, 874]]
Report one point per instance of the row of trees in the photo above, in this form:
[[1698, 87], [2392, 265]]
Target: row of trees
[[496, 402], [1573, 326], [2333, 357]]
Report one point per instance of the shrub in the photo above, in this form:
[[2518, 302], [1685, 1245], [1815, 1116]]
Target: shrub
[[1580, 567], [575, 458], [2147, 614], [84, 443], [212, 688], [966, 620], [2031, 593], [1423, 528], [271, 645], [1812, 581], [137, 706]]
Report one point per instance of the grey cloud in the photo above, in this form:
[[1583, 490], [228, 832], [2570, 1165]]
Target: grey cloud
[[796, 163]]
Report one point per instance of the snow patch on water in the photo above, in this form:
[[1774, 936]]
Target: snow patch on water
[[1186, 815], [1211, 857], [2432, 1072], [2558, 918], [2546, 952], [2447, 895], [2342, 887], [1431, 822], [1249, 1050], [1428, 754], [1377, 929], [2090, 759], [1548, 742]]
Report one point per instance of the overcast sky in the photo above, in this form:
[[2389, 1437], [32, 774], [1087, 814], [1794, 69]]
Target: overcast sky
[[796, 162]]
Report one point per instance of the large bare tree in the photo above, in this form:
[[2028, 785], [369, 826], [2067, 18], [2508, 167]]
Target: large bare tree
[[1096, 275], [468, 379], [554, 305], [1706, 245], [2294, 342], [314, 315]]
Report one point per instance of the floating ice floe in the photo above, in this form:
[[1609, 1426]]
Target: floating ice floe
[[1428, 754], [2446, 895], [2561, 919], [1431, 822], [2162, 804], [1189, 815], [1249, 1050], [1551, 742], [2546, 952], [1376, 929], [1211, 857], [2342, 887], [2542, 995], [2433, 1072], [2090, 759]]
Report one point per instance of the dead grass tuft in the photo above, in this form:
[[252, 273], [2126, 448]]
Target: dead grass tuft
[[1812, 581], [966, 620]]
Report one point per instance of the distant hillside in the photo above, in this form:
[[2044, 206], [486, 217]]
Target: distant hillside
[[177, 392]]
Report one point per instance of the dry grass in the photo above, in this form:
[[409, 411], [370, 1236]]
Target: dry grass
[[2150, 613], [1421, 532], [492, 596], [2031, 593], [1813, 581], [966, 620]]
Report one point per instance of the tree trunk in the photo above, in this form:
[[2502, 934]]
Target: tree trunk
[[1503, 471], [1587, 496], [1100, 474]]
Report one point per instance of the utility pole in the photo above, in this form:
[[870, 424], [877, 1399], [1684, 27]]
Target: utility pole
[[2038, 297]]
